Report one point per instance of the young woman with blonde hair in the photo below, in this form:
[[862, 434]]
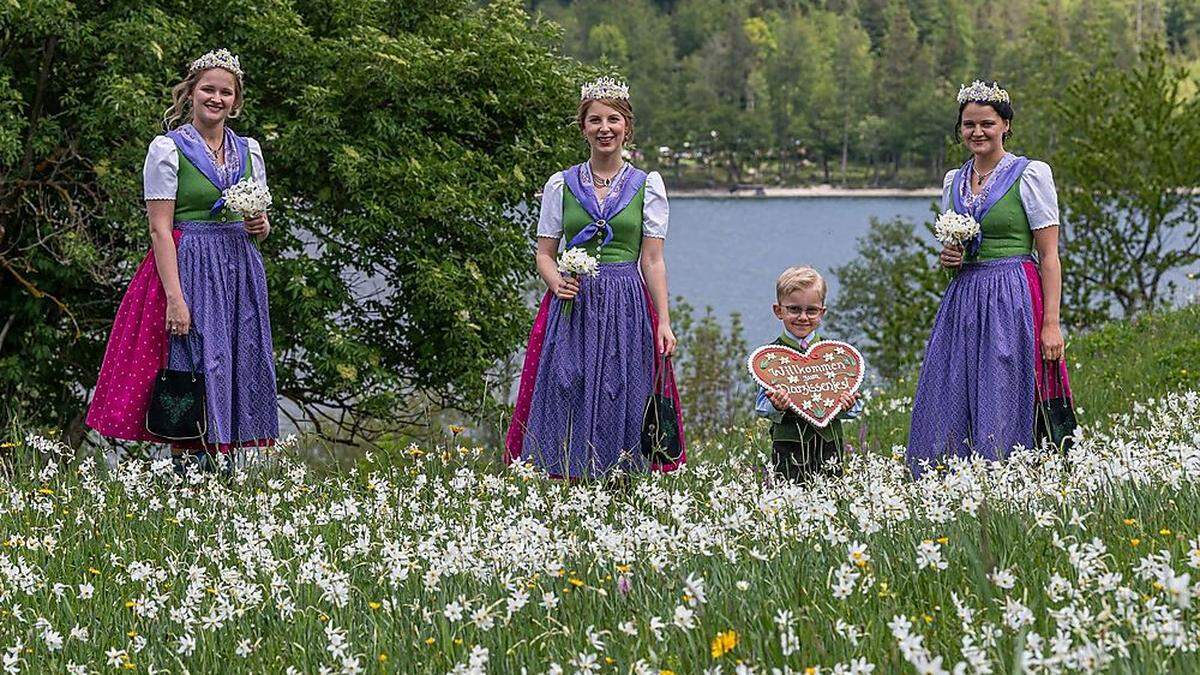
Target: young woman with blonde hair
[[200, 295], [589, 372]]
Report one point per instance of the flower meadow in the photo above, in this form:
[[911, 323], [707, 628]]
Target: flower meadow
[[434, 559]]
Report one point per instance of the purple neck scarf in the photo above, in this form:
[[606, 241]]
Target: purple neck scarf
[[1008, 171], [237, 150], [628, 181]]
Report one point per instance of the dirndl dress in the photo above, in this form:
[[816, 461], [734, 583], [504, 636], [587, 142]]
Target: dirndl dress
[[983, 371], [590, 368], [223, 280]]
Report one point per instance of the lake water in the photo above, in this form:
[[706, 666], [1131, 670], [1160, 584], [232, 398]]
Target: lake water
[[727, 253]]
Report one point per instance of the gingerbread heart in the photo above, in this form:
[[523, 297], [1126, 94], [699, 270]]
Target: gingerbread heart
[[814, 380]]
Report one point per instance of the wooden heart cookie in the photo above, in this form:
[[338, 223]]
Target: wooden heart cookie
[[814, 380]]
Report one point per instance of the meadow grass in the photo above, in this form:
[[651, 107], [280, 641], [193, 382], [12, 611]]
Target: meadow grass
[[433, 559]]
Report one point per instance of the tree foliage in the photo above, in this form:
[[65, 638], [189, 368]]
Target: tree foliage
[[402, 140], [714, 389], [794, 89], [888, 296], [1127, 171]]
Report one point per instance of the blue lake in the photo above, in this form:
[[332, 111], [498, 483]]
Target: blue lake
[[726, 253]]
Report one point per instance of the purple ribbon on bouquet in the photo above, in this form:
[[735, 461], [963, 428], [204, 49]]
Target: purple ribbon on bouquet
[[1007, 173], [628, 181], [237, 149]]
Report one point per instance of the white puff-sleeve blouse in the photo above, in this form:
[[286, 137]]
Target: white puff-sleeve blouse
[[1039, 197], [160, 172], [656, 210]]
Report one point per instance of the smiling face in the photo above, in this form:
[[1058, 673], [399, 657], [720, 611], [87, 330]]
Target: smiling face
[[983, 129], [604, 127], [801, 310], [216, 97]]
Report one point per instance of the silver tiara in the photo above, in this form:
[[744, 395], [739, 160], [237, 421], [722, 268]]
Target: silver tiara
[[982, 92], [217, 58], [605, 87]]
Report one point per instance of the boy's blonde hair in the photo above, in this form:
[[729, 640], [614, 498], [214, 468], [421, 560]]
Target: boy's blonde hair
[[798, 278]]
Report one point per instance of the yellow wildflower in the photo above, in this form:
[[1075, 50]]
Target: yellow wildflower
[[575, 582], [1130, 521], [456, 429], [382, 657], [723, 643], [430, 641], [1135, 541], [943, 540], [1165, 532], [374, 605]]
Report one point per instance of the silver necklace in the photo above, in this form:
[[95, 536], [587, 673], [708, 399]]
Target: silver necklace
[[603, 182]]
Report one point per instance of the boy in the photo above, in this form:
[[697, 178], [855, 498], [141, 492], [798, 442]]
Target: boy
[[798, 448]]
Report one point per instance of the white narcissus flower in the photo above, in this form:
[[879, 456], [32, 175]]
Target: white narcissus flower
[[577, 261], [955, 229], [1003, 578], [684, 617], [247, 198]]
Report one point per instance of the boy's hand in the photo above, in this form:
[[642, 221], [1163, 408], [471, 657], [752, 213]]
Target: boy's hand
[[847, 401], [778, 398]]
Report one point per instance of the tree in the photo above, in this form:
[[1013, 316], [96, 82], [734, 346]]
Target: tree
[[713, 386], [888, 296], [1126, 173], [401, 141]]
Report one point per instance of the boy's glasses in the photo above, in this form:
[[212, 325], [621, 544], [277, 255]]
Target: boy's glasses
[[799, 310]]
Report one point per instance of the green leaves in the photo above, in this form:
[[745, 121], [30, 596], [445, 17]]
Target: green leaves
[[1129, 156], [403, 141]]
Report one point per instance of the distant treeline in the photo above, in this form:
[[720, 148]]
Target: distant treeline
[[859, 92]]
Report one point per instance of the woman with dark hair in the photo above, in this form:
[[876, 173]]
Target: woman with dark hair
[[202, 287], [590, 370], [996, 348]]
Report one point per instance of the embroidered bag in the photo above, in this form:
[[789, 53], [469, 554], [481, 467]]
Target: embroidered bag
[[1056, 416], [178, 409], [660, 432]]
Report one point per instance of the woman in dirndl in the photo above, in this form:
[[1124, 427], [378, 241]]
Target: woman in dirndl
[[600, 346], [996, 350], [199, 299]]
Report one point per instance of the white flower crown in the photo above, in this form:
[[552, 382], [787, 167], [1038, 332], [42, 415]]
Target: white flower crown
[[217, 58], [605, 87], [982, 92]]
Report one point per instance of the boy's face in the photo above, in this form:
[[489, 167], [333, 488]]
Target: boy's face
[[801, 311]]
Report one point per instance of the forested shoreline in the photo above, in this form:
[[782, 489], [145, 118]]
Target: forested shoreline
[[856, 93]]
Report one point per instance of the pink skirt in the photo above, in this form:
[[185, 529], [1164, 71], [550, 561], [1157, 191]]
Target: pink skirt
[[136, 350]]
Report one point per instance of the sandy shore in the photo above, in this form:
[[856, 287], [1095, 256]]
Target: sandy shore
[[808, 191]]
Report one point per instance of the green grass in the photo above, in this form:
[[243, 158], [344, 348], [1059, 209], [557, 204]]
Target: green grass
[[282, 556], [1111, 368]]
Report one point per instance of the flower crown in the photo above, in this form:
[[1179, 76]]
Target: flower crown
[[605, 87], [982, 92], [217, 58]]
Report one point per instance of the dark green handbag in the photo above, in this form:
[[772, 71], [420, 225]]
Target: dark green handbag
[[1056, 420], [178, 407], [660, 428]]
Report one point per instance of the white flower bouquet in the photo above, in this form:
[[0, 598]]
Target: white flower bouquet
[[577, 262], [247, 198], [955, 229]]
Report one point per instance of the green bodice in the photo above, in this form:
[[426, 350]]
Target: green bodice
[[626, 244], [195, 194], [794, 427], [1006, 228]]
